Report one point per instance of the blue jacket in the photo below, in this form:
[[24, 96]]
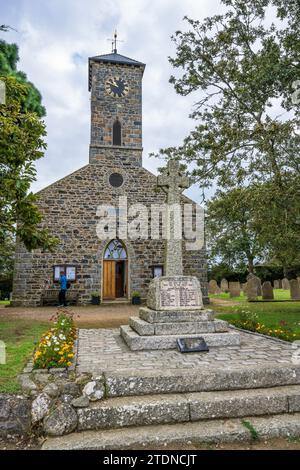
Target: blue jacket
[[63, 282]]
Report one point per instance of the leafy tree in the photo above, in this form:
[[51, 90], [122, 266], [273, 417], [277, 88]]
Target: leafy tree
[[21, 144], [276, 221], [230, 231], [247, 122], [9, 57]]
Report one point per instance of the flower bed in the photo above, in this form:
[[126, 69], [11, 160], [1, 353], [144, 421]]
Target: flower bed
[[55, 348], [249, 321]]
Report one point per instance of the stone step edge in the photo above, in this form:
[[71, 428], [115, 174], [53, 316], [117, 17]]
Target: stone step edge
[[215, 431], [165, 316], [140, 343], [144, 328], [166, 409], [149, 382]]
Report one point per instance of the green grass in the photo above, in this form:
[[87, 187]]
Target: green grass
[[20, 337], [269, 313], [4, 302], [279, 294]]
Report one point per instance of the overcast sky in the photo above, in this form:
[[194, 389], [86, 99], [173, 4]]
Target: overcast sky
[[55, 39]]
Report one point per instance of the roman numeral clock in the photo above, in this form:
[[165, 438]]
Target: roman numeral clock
[[116, 87]]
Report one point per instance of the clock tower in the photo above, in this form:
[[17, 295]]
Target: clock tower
[[115, 83]]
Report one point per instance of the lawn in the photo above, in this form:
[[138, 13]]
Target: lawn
[[270, 314], [279, 294], [20, 337], [4, 302]]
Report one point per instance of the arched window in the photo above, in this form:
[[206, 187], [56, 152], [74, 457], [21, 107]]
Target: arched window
[[115, 250], [117, 132]]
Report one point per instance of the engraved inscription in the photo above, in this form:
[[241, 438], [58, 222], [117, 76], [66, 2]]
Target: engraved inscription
[[178, 293]]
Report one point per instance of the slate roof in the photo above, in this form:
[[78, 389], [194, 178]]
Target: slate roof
[[113, 58]]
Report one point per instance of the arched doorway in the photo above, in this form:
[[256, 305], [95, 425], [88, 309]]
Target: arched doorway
[[115, 271]]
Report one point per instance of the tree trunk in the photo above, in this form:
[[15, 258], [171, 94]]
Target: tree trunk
[[250, 265]]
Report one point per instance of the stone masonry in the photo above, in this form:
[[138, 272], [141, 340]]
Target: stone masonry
[[69, 206]]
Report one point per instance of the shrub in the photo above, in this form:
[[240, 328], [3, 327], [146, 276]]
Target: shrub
[[55, 348], [136, 294]]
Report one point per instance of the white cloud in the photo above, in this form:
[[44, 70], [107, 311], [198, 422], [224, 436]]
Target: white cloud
[[55, 40]]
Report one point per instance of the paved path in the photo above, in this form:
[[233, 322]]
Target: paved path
[[88, 316], [103, 349]]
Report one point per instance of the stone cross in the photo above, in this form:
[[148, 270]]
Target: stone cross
[[174, 183]]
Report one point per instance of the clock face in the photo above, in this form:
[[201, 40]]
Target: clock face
[[116, 87]]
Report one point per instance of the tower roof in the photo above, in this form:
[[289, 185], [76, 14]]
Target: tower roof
[[112, 58]]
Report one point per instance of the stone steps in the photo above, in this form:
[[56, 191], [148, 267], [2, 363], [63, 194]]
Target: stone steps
[[178, 408], [142, 327], [137, 342], [214, 431], [142, 382]]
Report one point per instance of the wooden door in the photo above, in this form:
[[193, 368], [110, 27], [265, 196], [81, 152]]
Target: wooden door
[[109, 279], [119, 279]]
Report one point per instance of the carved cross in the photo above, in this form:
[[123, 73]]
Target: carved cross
[[173, 183]]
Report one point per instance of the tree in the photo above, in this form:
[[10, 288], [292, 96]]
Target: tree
[[21, 144], [231, 234], [9, 57], [247, 122], [276, 221]]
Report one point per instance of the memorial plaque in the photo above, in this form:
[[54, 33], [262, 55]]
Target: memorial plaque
[[178, 294], [174, 293], [192, 345]]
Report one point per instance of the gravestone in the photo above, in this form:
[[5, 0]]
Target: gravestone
[[213, 287], [298, 279], [267, 291], [174, 303], [234, 289], [244, 287], [295, 289], [224, 285], [277, 284], [285, 284], [252, 289], [257, 281]]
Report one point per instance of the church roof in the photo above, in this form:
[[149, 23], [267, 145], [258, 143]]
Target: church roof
[[113, 58]]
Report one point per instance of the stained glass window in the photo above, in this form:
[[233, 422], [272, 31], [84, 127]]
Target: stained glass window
[[115, 250]]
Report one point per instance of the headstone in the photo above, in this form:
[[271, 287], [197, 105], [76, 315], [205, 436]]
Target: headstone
[[252, 289], [295, 289], [267, 291], [285, 284], [244, 287], [224, 285], [277, 284], [213, 287], [234, 289], [257, 282], [298, 279], [175, 308]]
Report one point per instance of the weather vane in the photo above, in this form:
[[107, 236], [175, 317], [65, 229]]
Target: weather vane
[[114, 42]]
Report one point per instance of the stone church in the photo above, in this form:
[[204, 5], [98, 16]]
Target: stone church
[[114, 267]]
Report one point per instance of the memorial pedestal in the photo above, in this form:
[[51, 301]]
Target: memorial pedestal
[[175, 310]]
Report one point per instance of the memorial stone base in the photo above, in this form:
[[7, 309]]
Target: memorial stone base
[[175, 310]]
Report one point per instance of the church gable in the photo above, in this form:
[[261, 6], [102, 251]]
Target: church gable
[[70, 205]]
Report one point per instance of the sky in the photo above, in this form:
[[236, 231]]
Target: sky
[[55, 39]]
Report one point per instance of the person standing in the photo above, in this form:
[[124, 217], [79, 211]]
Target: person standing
[[63, 289]]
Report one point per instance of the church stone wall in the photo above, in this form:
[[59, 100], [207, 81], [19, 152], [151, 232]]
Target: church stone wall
[[69, 209]]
